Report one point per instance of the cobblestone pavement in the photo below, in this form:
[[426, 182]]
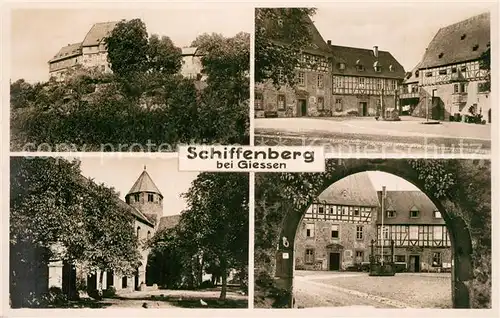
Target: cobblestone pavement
[[405, 290], [366, 135]]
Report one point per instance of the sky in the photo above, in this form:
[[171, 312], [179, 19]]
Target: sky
[[403, 29], [121, 173], [38, 34], [390, 181]]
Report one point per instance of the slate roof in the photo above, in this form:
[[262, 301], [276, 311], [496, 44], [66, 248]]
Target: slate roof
[[454, 43], [355, 190], [144, 184], [67, 51], [168, 222], [403, 202], [352, 56], [98, 32]]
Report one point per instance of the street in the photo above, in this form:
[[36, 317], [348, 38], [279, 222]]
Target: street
[[405, 290], [365, 135]]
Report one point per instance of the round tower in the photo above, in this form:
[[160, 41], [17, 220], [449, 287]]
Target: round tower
[[145, 196]]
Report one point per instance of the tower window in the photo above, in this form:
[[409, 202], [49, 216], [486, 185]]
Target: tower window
[[149, 235], [475, 47], [150, 197], [136, 197], [138, 231]]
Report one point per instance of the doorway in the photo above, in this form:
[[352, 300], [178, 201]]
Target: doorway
[[110, 279], [69, 279], [414, 265], [334, 264], [124, 282], [302, 107], [364, 108]]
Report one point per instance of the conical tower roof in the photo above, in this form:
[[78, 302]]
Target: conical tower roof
[[144, 184]]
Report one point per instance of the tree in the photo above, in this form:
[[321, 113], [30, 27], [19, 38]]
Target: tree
[[217, 220], [163, 56], [128, 47], [280, 34], [485, 64]]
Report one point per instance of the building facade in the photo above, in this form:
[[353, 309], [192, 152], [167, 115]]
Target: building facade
[[420, 236], [451, 83], [364, 81], [336, 231], [192, 66], [145, 203], [90, 53]]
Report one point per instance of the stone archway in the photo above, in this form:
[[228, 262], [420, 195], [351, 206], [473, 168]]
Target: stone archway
[[452, 212]]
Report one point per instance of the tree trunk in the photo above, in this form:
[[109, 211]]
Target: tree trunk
[[223, 291], [99, 283]]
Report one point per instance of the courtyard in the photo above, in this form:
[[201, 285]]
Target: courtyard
[[365, 135], [404, 290]]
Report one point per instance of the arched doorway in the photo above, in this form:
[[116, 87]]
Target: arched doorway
[[452, 212]]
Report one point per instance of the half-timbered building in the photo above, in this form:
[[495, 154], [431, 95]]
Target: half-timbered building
[[364, 81], [451, 83], [337, 229], [312, 94], [412, 221]]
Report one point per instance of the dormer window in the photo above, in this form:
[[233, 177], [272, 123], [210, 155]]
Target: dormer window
[[376, 67], [440, 55], [341, 66], [391, 68], [463, 36], [359, 67], [150, 197], [136, 197], [414, 213], [416, 73], [391, 214], [475, 47], [437, 214]]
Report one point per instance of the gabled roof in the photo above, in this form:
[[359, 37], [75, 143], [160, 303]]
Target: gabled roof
[[98, 33], [455, 43], [67, 51], [136, 213], [402, 202], [144, 184], [412, 78], [168, 222], [356, 189], [352, 56]]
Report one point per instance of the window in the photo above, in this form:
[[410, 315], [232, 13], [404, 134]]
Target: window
[[455, 88], [356, 212], [463, 36], [136, 197], [414, 213], [378, 69], [301, 78], [391, 214], [417, 73], [258, 102], [341, 66], [453, 70], [281, 77], [149, 235], [463, 88], [436, 259], [150, 197], [391, 68], [321, 103], [475, 47], [400, 258], [440, 55], [413, 232], [309, 256], [428, 74], [321, 210], [437, 215], [338, 104], [359, 255], [359, 232], [361, 80], [463, 68], [443, 72], [138, 231], [360, 68], [335, 231], [310, 230], [320, 81], [281, 102]]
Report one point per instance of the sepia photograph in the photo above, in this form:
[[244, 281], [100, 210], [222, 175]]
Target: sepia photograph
[[129, 80], [375, 233], [407, 78], [126, 233]]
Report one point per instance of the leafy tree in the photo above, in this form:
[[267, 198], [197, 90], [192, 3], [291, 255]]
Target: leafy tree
[[280, 34], [163, 56], [485, 64], [217, 220], [128, 47]]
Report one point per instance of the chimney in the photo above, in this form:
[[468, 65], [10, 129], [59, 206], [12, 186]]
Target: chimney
[[383, 202], [375, 51], [329, 42]]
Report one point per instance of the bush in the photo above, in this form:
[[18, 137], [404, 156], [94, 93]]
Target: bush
[[206, 284], [53, 298], [353, 113], [266, 286], [110, 292]]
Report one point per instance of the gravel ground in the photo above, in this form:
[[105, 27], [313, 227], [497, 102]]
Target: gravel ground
[[349, 289]]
